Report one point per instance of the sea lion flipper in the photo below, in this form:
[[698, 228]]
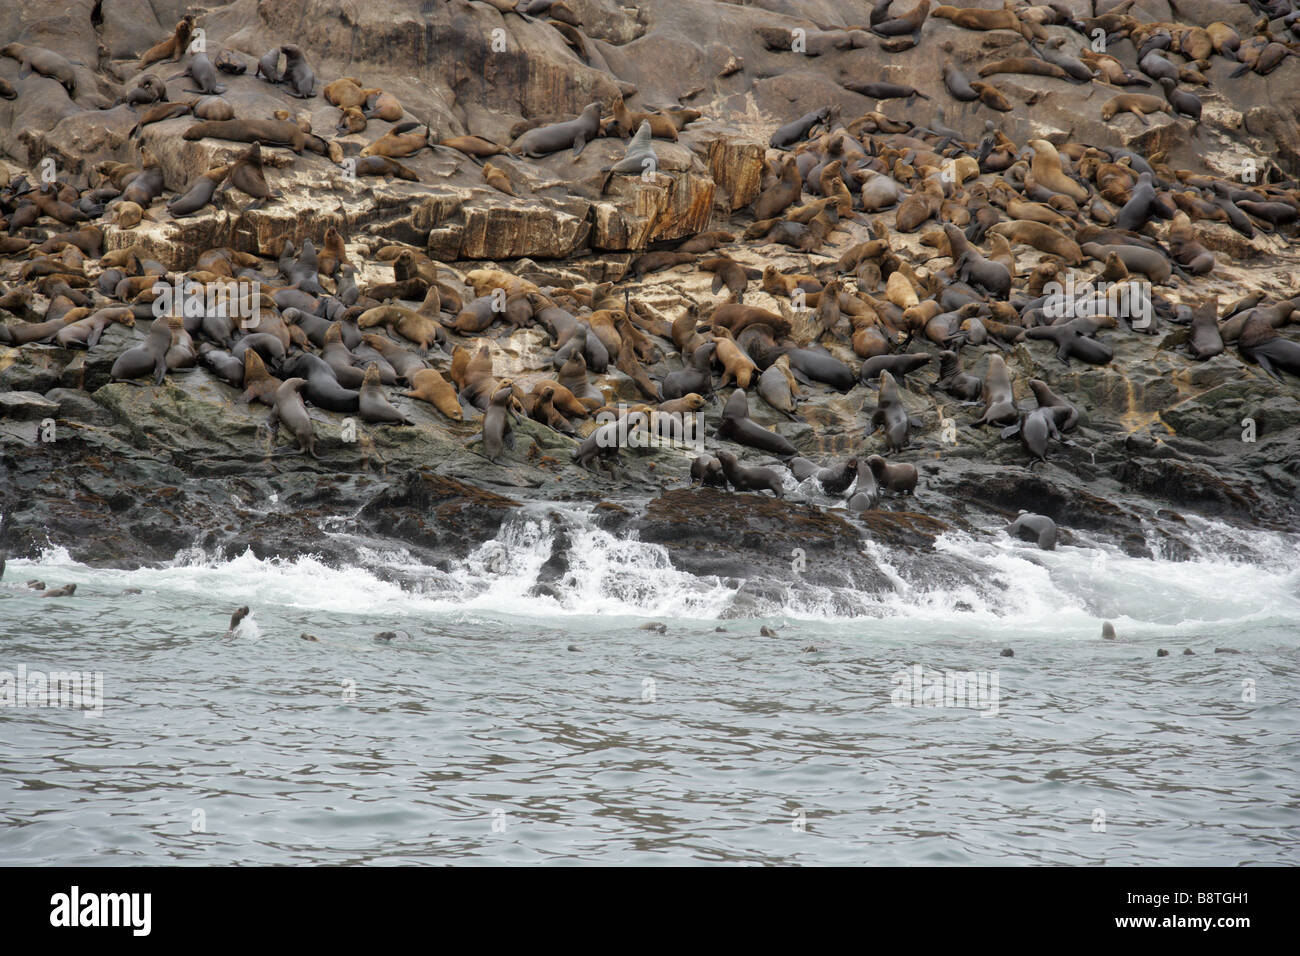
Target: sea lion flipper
[[1010, 431], [579, 142]]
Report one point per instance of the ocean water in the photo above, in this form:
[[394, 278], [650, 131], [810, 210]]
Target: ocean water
[[493, 727]]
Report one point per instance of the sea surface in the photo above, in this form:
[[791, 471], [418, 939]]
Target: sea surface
[[490, 727]]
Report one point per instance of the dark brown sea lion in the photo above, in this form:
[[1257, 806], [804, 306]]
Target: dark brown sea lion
[[737, 426], [749, 477], [297, 74], [576, 133], [289, 410]]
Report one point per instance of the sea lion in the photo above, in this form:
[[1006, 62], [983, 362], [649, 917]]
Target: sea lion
[[351, 120], [152, 355], [400, 141], [85, 333], [707, 470], [834, 481], [290, 411], [750, 478], [474, 146], [373, 405], [999, 401], [626, 120], [1072, 342], [639, 160], [199, 194], [413, 326], [958, 85], [890, 415], [1035, 428], [737, 368], [258, 382], [1065, 414], [956, 382], [268, 132], [1260, 344], [297, 74], [545, 140], [268, 67], [174, 46], [897, 365], [204, 74], [1205, 340], [737, 426], [773, 200], [896, 477], [992, 97], [777, 386], [910, 22], [383, 106], [1042, 237], [1138, 104], [320, 385], [428, 385], [1041, 530], [498, 179], [384, 166], [496, 421]]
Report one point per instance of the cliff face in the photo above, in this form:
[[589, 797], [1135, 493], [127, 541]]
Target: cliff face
[[131, 472]]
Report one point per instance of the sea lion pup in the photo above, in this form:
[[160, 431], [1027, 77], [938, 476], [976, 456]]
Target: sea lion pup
[[423, 330], [428, 385], [374, 405], [576, 133], [268, 66], [474, 146], [735, 318], [1205, 340], [498, 179], [1041, 530], [174, 46], [540, 406], [1048, 171], [639, 160], [351, 120], [707, 470], [152, 355], [706, 241], [999, 401], [297, 74], [626, 120], [896, 477], [333, 254], [401, 141], [777, 387], [749, 477], [910, 22], [1150, 262], [198, 195], [1138, 104], [1260, 344], [737, 426], [784, 193], [496, 421], [890, 415], [288, 409]]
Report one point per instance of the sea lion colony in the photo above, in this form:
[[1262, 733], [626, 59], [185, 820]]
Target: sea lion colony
[[1001, 219]]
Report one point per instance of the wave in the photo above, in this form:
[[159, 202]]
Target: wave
[[552, 560]]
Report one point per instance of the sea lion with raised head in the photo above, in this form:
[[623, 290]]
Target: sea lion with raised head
[[289, 410], [737, 426], [297, 73], [890, 415], [897, 477], [373, 405], [1039, 530], [750, 477], [999, 401]]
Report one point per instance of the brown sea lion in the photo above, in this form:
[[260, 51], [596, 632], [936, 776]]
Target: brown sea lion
[[428, 385], [172, 48]]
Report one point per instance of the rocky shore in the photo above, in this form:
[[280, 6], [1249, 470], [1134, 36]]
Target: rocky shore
[[129, 473]]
